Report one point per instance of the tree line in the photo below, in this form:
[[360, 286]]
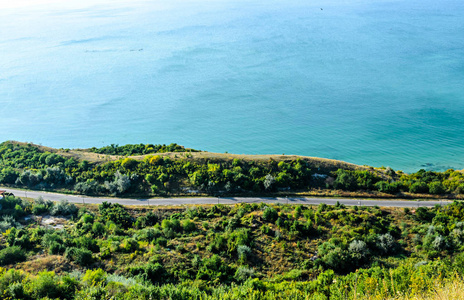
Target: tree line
[[28, 166]]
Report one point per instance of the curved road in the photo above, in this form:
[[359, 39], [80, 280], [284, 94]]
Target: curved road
[[225, 200]]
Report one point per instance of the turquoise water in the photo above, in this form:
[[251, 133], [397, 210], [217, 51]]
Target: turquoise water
[[370, 82]]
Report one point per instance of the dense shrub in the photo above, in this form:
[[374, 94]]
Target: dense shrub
[[119, 185], [64, 208], [41, 206], [156, 273], [436, 188], [243, 252], [46, 285], [243, 273], [270, 214], [115, 213], [7, 223], [12, 255], [188, 225], [345, 180], [81, 256], [149, 219], [386, 244], [419, 187]]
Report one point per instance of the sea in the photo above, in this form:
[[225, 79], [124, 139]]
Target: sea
[[371, 82]]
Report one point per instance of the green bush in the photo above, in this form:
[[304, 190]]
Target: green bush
[[129, 245], [147, 234], [7, 223], [86, 242], [87, 218], [188, 225], [53, 242], [419, 187], [345, 180], [243, 252], [10, 277], [98, 229], [82, 256], [389, 188], [171, 224], [64, 208], [41, 206], [214, 269], [436, 188], [149, 219], [334, 256], [386, 244], [46, 285], [270, 214], [115, 213], [94, 277], [12, 255], [156, 273], [244, 273]]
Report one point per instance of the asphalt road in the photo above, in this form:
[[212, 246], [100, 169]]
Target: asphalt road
[[222, 200]]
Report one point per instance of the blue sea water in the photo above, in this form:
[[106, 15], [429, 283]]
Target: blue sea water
[[371, 82]]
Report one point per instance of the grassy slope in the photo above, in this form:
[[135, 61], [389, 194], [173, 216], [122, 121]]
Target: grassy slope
[[84, 154], [321, 165]]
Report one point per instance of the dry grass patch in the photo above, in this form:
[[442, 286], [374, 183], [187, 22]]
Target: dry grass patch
[[43, 262]]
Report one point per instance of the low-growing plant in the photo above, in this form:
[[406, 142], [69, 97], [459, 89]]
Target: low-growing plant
[[12, 255]]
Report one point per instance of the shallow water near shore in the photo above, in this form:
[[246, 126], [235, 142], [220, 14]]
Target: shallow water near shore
[[368, 82]]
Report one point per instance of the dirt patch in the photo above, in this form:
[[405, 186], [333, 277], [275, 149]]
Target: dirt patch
[[51, 221]]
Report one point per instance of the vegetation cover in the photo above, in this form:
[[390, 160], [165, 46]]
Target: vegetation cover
[[246, 251], [133, 170], [139, 149]]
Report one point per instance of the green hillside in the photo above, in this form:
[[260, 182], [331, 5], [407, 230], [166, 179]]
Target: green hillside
[[247, 251], [172, 170]]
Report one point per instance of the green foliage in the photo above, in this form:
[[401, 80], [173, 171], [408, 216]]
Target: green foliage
[[46, 285], [120, 184], [313, 254], [11, 255], [41, 206], [270, 214], [64, 208], [389, 187], [345, 180], [149, 219], [155, 273], [139, 149], [436, 188], [188, 225], [419, 187], [94, 277], [243, 273], [54, 243], [81, 256], [29, 166], [386, 244], [115, 213], [214, 269], [243, 252], [335, 256], [8, 175], [7, 223]]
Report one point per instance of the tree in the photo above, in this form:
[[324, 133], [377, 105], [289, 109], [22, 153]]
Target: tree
[[119, 185], [436, 188], [129, 163], [345, 180], [419, 187], [269, 181]]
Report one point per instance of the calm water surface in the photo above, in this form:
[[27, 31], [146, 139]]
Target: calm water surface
[[370, 82]]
